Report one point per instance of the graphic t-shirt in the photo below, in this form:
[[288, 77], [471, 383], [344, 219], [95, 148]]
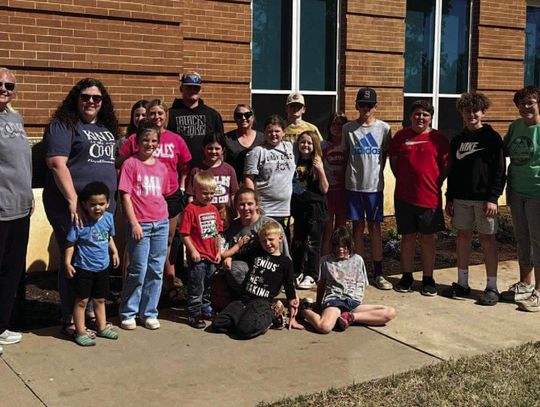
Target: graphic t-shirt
[[267, 274], [226, 181], [421, 165], [345, 279], [273, 170], [147, 186], [172, 151], [334, 161], [92, 243], [203, 225], [366, 148], [89, 148], [292, 131], [15, 168], [522, 145]]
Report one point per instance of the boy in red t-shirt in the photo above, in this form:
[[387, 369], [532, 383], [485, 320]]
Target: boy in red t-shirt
[[419, 161], [200, 228]]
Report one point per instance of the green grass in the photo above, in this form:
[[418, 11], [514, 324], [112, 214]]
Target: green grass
[[509, 377]]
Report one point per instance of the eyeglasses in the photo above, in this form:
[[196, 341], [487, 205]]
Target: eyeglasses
[[85, 97], [245, 115], [10, 86]]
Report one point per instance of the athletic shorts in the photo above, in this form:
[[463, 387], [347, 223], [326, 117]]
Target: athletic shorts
[[90, 284], [468, 214], [175, 203], [414, 219], [344, 305], [336, 202], [365, 206]]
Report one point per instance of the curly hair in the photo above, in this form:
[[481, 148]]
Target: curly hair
[[68, 111], [528, 91], [473, 102]]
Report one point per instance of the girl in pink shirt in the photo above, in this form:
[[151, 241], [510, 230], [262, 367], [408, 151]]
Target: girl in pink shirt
[[144, 184]]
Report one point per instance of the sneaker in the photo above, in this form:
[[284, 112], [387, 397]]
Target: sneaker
[[196, 322], [404, 285], [517, 292], [278, 315], [456, 290], [429, 288], [151, 323], [8, 337], [344, 320], [489, 297], [306, 303], [299, 279], [382, 283], [307, 283], [1, 349], [128, 324], [531, 304]]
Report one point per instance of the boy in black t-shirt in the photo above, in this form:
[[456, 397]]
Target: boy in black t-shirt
[[269, 270]]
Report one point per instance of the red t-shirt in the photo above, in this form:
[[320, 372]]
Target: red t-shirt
[[422, 162], [226, 181], [203, 225], [172, 151]]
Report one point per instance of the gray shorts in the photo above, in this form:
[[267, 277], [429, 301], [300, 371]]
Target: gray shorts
[[470, 214]]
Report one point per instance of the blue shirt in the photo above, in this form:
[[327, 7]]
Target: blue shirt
[[92, 243]]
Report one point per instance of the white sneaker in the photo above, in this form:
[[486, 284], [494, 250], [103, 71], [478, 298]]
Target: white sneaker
[[151, 323], [128, 324], [299, 279], [307, 283], [8, 337]]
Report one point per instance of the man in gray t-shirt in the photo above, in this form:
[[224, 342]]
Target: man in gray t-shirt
[[366, 141]]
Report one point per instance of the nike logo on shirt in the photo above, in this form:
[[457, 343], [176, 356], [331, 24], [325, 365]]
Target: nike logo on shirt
[[466, 149], [412, 142]]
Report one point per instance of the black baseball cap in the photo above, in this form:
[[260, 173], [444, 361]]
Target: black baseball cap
[[366, 95]]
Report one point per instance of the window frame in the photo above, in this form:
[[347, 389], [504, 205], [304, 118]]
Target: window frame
[[529, 3]]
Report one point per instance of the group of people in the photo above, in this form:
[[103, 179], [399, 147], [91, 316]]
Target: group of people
[[256, 211]]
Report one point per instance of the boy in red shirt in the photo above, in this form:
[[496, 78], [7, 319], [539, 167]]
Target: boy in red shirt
[[200, 228]]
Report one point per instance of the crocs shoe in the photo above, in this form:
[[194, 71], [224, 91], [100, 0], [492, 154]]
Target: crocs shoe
[[107, 333], [456, 291], [84, 340], [489, 297]]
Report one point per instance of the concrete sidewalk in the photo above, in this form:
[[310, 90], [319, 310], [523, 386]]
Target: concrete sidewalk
[[187, 367]]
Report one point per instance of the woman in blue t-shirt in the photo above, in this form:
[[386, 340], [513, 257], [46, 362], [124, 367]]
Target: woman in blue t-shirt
[[79, 149]]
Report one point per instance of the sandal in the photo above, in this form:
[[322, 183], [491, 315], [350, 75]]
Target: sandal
[[107, 333], [84, 340]]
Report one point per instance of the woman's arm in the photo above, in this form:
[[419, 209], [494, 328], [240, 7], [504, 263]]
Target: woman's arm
[[64, 182]]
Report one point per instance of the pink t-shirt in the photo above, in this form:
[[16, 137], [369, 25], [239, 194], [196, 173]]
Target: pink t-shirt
[[172, 151], [147, 185]]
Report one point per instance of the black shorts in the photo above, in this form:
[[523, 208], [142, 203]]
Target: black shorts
[[414, 219], [90, 284], [175, 203]]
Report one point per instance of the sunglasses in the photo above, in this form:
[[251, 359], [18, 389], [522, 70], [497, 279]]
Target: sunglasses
[[94, 98], [366, 104], [8, 85], [246, 115]]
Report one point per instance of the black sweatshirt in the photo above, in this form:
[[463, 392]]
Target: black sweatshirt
[[193, 125], [477, 169]]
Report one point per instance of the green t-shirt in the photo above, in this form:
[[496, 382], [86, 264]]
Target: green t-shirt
[[522, 145]]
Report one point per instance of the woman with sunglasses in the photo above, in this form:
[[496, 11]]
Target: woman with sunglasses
[[240, 141], [79, 149], [16, 203]]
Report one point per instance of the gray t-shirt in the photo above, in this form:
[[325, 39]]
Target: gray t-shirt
[[273, 170], [366, 148], [345, 279], [15, 169]]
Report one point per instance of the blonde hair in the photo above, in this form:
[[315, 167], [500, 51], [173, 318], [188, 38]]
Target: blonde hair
[[8, 108], [270, 227], [204, 179], [162, 105]]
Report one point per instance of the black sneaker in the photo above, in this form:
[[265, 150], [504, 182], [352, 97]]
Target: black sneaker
[[456, 290], [405, 284], [196, 322], [488, 297], [429, 288]]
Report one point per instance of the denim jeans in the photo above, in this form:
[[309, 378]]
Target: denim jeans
[[200, 276], [142, 288]]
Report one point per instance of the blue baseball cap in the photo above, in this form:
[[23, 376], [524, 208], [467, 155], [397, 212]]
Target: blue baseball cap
[[191, 78]]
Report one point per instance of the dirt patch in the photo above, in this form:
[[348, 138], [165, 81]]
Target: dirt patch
[[40, 308]]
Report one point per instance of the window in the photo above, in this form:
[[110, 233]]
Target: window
[[294, 48], [532, 45], [437, 58]]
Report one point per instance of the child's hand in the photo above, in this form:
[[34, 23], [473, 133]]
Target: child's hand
[[227, 263], [218, 258], [294, 303], [195, 256], [115, 260], [490, 209], [70, 271], [243, 240], [318, 164], [137, 232]]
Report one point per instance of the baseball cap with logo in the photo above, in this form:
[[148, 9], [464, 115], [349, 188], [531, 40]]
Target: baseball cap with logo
[[191, 78], [296, 97], [366, 95]]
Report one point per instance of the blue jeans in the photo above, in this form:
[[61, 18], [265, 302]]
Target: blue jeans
[[200, 275], [142, 288]]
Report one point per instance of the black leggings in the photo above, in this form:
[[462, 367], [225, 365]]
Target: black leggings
[[245, 319]]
